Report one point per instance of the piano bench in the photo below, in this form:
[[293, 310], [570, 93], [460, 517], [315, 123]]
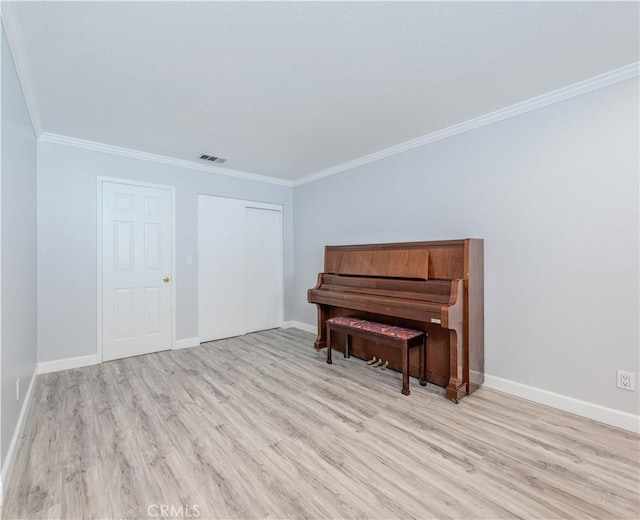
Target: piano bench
[[386, 335]]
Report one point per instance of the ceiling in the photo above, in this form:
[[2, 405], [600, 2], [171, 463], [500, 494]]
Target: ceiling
[[289, 89]]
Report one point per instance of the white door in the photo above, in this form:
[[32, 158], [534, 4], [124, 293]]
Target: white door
[[239, 267], [221, 257], [263, 272], [136, 270]]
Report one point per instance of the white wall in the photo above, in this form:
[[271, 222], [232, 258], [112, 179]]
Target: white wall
[[18, 257], [67, 274], [554, 194]]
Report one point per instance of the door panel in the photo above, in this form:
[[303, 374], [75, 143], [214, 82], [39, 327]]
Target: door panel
[[123, 245], [263, 272], [136, 256], [221, 281], [123, 313]]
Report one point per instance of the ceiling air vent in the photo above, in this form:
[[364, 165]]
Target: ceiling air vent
[[218, 160]]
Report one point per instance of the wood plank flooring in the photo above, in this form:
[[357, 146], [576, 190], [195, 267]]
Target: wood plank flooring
[[261, 427]]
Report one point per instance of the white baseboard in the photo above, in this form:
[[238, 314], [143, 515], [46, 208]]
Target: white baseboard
[[299, 325], [7, 467], [186, 343], [624, 420], [66, 364]]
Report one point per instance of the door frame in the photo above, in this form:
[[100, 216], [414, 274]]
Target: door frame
[[257, 204], [99, 250]]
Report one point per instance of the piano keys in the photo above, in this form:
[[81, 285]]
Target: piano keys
[[434, 286]]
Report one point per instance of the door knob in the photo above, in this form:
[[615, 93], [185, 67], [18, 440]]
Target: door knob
[[166, 279]]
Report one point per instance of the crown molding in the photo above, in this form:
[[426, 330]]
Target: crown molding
[[162, 159], [577, 89], [16, 45]]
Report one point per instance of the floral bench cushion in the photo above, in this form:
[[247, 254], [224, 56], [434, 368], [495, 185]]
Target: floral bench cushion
[[381, 329]]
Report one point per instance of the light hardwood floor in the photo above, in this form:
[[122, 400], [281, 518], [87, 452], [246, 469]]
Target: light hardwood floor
[[261, 427]]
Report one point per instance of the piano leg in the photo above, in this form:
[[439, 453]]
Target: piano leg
[[328, 343], [321, 339], [346, 345], [423, 361], [456, 387]]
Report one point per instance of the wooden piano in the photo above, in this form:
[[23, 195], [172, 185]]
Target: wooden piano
[[436, 287]]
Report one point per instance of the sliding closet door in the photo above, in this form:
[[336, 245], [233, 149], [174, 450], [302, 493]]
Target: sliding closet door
[[221, 271], [264, 283], [239, 266]]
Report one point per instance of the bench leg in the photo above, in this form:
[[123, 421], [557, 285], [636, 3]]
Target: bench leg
[[346, 345], [405, 368], [329, 344], [423, 362]]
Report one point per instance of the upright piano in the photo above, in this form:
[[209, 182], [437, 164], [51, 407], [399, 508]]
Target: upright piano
[[437, 287]]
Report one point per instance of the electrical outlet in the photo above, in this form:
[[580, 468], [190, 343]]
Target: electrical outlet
[[18, 389], [626, 380]]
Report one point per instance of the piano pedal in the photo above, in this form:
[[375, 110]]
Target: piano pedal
[[384, 367], [372, 361], [377, 363]]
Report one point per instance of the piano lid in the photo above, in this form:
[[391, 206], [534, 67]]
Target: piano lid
[[395, 263]]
